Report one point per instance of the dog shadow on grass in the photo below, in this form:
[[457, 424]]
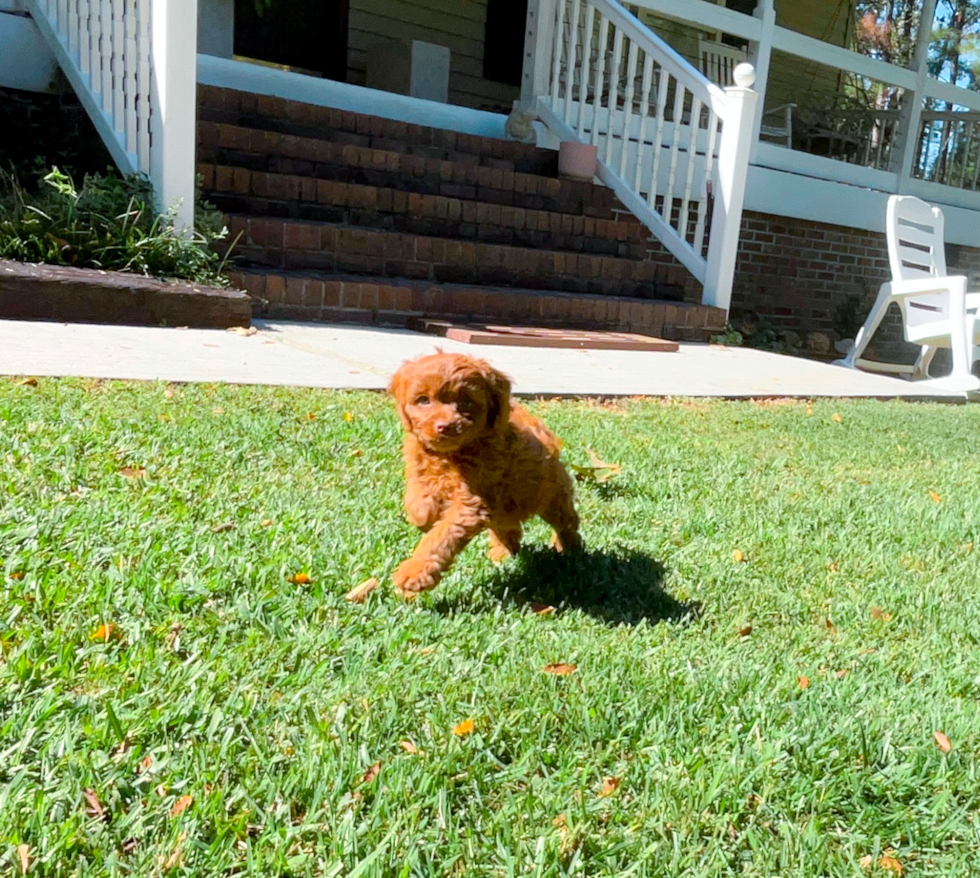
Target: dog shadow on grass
[[619, 587]]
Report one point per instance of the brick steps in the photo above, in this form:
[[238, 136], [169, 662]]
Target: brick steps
[[337, 248], [278, 115], [240, 191], [311, 295], [263, 151]]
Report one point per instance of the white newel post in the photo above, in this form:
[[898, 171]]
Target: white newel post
[[539, 42], [733, 163], [173, 56]]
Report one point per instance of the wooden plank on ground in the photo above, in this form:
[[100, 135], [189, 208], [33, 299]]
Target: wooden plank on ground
[[542, 337]]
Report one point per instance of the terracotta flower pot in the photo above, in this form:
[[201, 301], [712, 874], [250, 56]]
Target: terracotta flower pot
[[577, 160]]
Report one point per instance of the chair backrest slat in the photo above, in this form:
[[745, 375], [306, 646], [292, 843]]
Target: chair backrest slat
[[915, 238]]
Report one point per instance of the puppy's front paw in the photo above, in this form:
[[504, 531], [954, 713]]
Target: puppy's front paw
[[411, 579]]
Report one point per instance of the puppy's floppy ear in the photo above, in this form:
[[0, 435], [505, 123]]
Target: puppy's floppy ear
[[498, 386], [397, 388]]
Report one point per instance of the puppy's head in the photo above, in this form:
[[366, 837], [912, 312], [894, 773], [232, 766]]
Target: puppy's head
[[449, 400]]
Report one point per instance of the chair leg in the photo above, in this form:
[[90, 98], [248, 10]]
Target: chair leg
[[922, 363], [871, 325]]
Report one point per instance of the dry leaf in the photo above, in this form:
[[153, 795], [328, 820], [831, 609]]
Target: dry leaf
[[541, 609], [17, 575], [878, 613], [609, 786], [146, 762], [464, 728], [265, 522], [359, 593], [223, 528], [175, 857], [371, 773], [560, 822], [106, 632], [942, 742], [130, 845], [168, 393], [745, 631], [866, 861], [889, 863], [24, 855], [738, 556], [599, 471], [804, 682], [356, 453], [132, 472], [559, 669], [842, 673], [28, 382], [409, 748], [93, 807], [830, 626], [809, 409], [161, 790], [311, 416], [936, 498], [181, 805], [218, 410], [242, 330], [348, 417], [832, 566], [299, 579], [836, 417]]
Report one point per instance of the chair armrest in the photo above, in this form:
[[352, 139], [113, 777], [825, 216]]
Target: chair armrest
[[922, 286]]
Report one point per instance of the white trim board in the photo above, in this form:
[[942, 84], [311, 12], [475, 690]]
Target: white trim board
[[243, 76], [26, 63]]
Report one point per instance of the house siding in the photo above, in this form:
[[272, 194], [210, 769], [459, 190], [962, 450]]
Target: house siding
[[457, 24]]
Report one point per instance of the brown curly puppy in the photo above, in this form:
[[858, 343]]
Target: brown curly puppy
[[473, 460]]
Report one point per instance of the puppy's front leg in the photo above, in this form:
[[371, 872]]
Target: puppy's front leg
[[436, 550]]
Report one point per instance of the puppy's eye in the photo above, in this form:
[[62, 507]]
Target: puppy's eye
[[422, 400]]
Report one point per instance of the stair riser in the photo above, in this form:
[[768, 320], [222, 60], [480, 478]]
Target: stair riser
[[336, 249]]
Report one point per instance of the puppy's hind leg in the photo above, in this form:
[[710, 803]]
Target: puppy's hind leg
[[505, 540], [561, 515]]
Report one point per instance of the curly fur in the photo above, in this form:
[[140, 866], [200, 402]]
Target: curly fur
[[474, 461]]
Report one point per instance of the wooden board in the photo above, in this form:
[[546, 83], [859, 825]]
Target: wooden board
[[541, 337]]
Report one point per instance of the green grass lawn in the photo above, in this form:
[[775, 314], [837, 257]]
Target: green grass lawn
[[776, 613]]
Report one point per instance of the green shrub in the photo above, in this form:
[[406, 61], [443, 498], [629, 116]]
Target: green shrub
[[108, 223]]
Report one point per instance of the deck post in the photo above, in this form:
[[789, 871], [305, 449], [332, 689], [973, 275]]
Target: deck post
[[539, 42], [733, 163], [173, 51], [761, 57], [910, 120]]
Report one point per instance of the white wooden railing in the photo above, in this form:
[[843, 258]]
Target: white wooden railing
[[673, 146], [948, 148], [133, 64]]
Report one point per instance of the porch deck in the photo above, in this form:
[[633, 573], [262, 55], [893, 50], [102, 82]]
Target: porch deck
[[342, 357]]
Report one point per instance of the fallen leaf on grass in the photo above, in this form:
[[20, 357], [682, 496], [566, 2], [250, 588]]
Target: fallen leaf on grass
[[93, 806], [465, 728], [371, 773], [17, 575], [745, 631], [181, 805], [218, 410], [878, 613], [410, 748], [28, 382], [146, 762], [942, 742], [348, 417], [359, 593], [356, 453], [176, 855], [560, 669], [243, 330], [609, 786], [299, 578], [804, 682], [223, 528], [541, 609], [105, 632], [889, 863], [936, 498], [265, 522], [130, 845], [832, 567], [809, 409], [837, 418], [24, 855], [738, 556], [168, 393], [842, 673], [599, 471], [311, 416], [132, 472]]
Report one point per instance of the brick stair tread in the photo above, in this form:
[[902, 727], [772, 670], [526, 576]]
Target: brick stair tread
[[285, 196], [336, 247], [260, 151], [288, 116], [313, 295]]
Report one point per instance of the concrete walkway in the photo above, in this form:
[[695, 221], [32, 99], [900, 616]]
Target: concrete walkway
[[333, 356]]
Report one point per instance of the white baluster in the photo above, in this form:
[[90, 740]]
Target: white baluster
[[572, 45], [692, 157], [556, 54], [94, 46], [73, 29], [118, 66], [628, 108], [658, 138], [612, 128], [709, 166], [600, 75], [675, 139], [143, 85], [105, 53], [644, 115], [130, 65], [85, 35], [587, 41]]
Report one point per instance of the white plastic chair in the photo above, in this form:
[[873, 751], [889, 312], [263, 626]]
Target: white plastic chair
[[937, 311]]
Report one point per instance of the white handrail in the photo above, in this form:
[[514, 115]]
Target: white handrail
[[133, 65], [671, 144]]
